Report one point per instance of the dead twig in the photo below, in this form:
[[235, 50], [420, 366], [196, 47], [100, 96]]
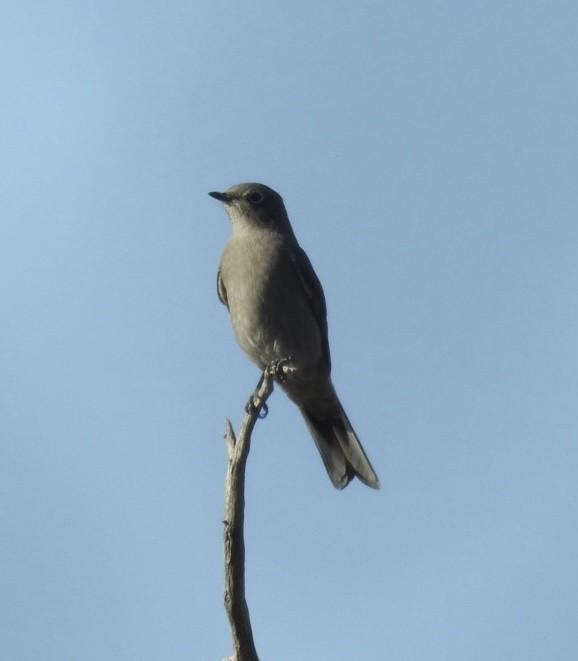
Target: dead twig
[[238, 451]]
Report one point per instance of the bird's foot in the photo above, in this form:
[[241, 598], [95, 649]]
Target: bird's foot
[[279, 369]]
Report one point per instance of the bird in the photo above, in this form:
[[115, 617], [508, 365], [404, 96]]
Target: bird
[[278, 312]]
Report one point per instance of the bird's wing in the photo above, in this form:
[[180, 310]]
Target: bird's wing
[[315, 297], [221, 291]]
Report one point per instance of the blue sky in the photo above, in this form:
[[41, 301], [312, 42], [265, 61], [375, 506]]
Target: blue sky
[[427, 154]]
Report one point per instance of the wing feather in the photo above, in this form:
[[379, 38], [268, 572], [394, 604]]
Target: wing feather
[[315, 297], [221, 291]]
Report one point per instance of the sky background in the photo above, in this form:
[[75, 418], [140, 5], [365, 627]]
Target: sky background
[[427, 153]]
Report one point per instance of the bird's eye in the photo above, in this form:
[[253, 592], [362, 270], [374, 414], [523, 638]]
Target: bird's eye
[[255, 197]]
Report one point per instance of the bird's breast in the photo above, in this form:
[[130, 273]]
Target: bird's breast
[[269, 310]]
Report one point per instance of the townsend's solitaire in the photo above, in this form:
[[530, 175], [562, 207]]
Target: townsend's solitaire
[[277, 309]]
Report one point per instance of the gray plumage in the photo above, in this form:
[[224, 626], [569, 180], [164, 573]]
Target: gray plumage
[[277, 309]]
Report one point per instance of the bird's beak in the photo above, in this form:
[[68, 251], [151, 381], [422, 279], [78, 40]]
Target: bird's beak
[[222, 197]]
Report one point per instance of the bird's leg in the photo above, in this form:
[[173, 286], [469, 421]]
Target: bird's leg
[[275, 370]]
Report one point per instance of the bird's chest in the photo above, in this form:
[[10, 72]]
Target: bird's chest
[[252, 275]]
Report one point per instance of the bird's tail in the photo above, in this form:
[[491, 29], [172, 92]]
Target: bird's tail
[[339, 446]]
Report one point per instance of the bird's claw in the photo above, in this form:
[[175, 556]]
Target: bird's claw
[[263, 412], [254, 405]]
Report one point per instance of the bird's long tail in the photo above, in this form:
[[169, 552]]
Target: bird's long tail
[[339, 446]]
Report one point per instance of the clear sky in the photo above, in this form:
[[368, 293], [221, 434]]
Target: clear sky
[[427, 152]]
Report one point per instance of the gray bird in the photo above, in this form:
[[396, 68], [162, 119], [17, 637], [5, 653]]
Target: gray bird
[[278, 311]]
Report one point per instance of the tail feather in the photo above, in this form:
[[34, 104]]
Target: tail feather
[[340, 448]]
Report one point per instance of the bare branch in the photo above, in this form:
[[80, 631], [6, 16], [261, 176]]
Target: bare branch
[[238, 451]]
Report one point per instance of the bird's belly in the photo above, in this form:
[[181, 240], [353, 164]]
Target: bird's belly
[[270, 325]]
